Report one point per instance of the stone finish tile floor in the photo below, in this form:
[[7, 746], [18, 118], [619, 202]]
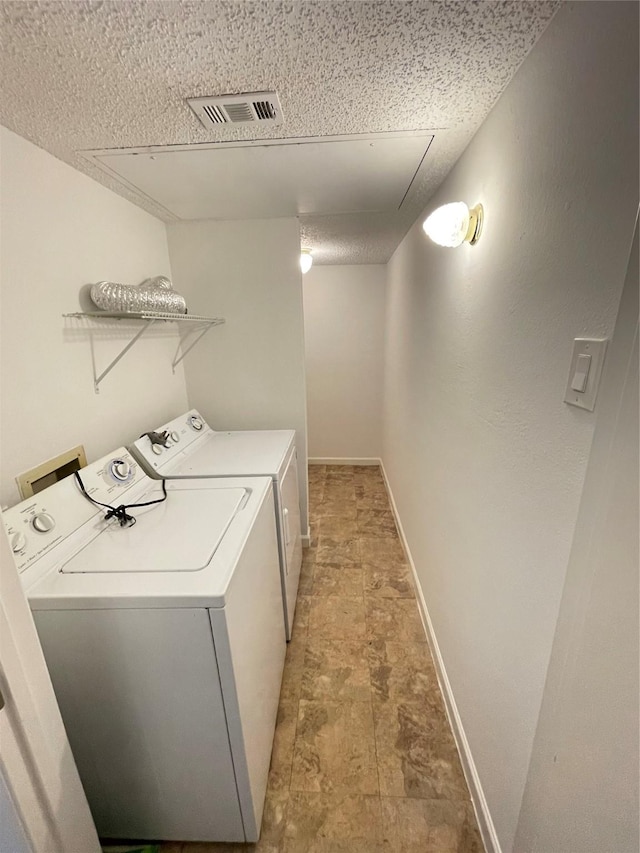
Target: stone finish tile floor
[[363, 758]]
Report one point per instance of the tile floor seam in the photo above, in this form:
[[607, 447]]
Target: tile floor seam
[[375, 739]]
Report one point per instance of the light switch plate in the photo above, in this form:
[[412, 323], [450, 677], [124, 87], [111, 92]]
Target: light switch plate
[[596, 348]]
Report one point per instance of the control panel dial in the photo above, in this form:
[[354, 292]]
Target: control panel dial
[[120, 470], [18, 542], [195, 422], [42, 522], [157, 449], [175, 438]]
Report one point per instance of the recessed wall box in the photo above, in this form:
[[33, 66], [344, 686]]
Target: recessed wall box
[[49, 472]]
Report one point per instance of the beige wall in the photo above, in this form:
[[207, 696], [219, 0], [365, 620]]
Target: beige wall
[[249, 373], [344, 340], [485, 460], [61, 231]]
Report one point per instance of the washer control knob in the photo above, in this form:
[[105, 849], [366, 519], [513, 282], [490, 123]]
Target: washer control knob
[[42, 522], [120, 470], [18, 542], [196, 422], [175, 438], [157, 449]]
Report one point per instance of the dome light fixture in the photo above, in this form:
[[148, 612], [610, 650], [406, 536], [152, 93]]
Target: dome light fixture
[[453, 224], [306, 260]]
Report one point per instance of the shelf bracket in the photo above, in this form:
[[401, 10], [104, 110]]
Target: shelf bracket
[[98, 379], [200, 326], [195, 336]]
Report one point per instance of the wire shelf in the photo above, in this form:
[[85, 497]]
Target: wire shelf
[[200, 326], [146, 315]]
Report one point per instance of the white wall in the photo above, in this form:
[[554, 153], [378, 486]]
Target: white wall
[[249, 373], [588, 727], [485, 461], [344, 340], [60, 231]]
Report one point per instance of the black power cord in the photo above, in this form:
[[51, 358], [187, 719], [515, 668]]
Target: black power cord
[[160, 438], [120, 512]]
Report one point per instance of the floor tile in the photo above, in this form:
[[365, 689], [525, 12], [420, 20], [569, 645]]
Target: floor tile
[[381, 553], [372, 500], [429, 826], [369, 488], [367, 472], [402, 672], [334, 748], [316, 493], [334, 552], [317, 471], [301, 616], [393, 619], [282, 751], [336, 669], [313, 533], [333, 580], [274, 820], [395, 582], [305, 584], [309, 555], [338, 490], [333, 823], [336, 617], [416, 753], [376, 522], [339, 472], [293, 665], [338, 527], [336, 506]]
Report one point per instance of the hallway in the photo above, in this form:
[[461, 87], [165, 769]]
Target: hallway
[[363, 760]]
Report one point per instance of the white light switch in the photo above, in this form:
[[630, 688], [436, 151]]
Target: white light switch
[[581, 375], [585, 371]]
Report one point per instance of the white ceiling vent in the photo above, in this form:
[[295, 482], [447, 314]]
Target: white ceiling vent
[[252, 107]]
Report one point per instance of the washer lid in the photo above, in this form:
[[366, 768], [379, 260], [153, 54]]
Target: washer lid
[[179, 535]]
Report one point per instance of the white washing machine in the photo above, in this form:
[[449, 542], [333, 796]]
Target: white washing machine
[[190, 448], [164, 641]]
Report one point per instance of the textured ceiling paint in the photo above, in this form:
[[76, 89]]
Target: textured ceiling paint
[[87, 75]]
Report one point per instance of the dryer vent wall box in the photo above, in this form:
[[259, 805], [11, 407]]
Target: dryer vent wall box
[[51, 471], [587, 361]]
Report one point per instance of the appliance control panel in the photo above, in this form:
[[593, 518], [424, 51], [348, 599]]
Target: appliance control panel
[[178, 434], [42, 522]]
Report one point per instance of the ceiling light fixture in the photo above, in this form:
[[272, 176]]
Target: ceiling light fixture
[[306, 260], [453, 224]]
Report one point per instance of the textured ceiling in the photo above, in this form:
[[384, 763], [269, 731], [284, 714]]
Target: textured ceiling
[[89, 75]]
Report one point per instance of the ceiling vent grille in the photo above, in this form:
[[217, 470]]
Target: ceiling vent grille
[[253, 107]]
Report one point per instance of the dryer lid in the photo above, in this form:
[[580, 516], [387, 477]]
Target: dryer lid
[[180, 535], [258, 453]]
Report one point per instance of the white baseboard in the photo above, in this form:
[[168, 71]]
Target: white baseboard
[[485, 823], [344, 460], [306, 538]]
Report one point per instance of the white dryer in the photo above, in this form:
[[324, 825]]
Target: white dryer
[[164, 641], [190, 448]]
